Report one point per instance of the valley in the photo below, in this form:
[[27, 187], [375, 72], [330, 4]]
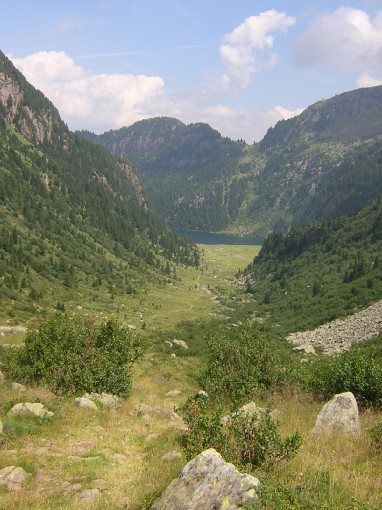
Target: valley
[[131, 453]]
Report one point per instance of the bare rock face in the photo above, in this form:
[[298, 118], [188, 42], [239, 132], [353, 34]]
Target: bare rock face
[[208, 483], [338, 415]]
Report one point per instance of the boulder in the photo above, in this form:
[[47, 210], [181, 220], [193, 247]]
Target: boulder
[[13, 476], [249, 411], [18, 387], [36, 410], [106, 399], [86, 403], [208, 482], [304, 349], [180, 343], [338, 415]]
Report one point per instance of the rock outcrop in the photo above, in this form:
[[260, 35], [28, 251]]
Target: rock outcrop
[[13, 477], [340, 415], [338, 335], [208, 483]]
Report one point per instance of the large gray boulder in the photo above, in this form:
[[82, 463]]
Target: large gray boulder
[[208, 483], [13, 477], [36, 410], [338, 415]]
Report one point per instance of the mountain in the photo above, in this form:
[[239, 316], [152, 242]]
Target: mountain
[[318, 272], [195, 178], [323, 163], [72, 214]]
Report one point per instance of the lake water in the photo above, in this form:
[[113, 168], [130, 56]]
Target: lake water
[[212, 238]]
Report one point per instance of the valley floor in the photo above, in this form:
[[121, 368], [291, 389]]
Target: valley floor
[[130, 454]]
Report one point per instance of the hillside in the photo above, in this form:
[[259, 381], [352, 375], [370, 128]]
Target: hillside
[[195, 178], [73, 216], [323, 163], [318, 272]]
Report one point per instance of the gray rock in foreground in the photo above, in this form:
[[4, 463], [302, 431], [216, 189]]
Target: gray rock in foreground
[[338, 415], [36, 410], [208, 483]]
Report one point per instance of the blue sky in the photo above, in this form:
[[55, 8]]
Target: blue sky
[[239, 65]]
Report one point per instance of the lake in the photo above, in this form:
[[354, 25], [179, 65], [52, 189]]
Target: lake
[[200, 237]]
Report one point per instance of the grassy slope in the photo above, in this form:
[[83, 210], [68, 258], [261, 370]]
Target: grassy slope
[[81, 445]]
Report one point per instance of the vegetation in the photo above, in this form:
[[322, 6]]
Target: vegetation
[[248, 441], [317, 273], [71, 356]]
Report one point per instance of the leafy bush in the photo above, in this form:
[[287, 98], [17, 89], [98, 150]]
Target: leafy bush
[[376, 436], [350, 371], [240, 364], [70, 355], [244, 440]]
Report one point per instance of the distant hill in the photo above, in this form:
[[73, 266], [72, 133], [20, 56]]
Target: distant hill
[[195, 178], [72, 214], [322, 163]]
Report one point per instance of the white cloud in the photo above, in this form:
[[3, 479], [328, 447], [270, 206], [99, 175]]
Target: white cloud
[[248, 48], [87, 101], [366, 80], [284, 113], [347, 39]]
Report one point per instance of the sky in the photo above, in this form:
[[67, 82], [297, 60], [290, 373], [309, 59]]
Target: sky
[[238, 65]]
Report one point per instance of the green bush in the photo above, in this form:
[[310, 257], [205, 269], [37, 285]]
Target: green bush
[[249, 441], [70, 355], [376, 437], [240, 364], [350, 371]]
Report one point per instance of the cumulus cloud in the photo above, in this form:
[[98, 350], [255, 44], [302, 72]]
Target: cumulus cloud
[[346, 38], [249, 47], [88, 101]]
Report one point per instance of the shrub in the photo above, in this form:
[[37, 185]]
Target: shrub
[[70, 355], [376, 437], [244, 440], [240, 364], [350, 371]]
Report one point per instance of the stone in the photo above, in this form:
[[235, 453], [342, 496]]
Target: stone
[[36, 410], [180, 343], [304, 349], [2, 377], [88, 494], [18, 387], [249, 411], [338, 415], [13, 477], [173, 393], [86, 403], [1, 427], [171, 456], [201, 394], [106, 399], [208, 482]]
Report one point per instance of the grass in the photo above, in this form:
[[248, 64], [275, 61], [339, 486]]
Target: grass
[[125, 446]]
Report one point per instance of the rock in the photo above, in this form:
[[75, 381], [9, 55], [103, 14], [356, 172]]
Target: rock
[[338, 415], [1, 427], [304, 349], [171, 456], [173, 355], [106, 399], [201, 394], [180, 343], [86, 403], [18, 387], [88, 494], [36, 410], [13, 476], [2, 377], [208, 483], [249, 411], [173, 393]]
